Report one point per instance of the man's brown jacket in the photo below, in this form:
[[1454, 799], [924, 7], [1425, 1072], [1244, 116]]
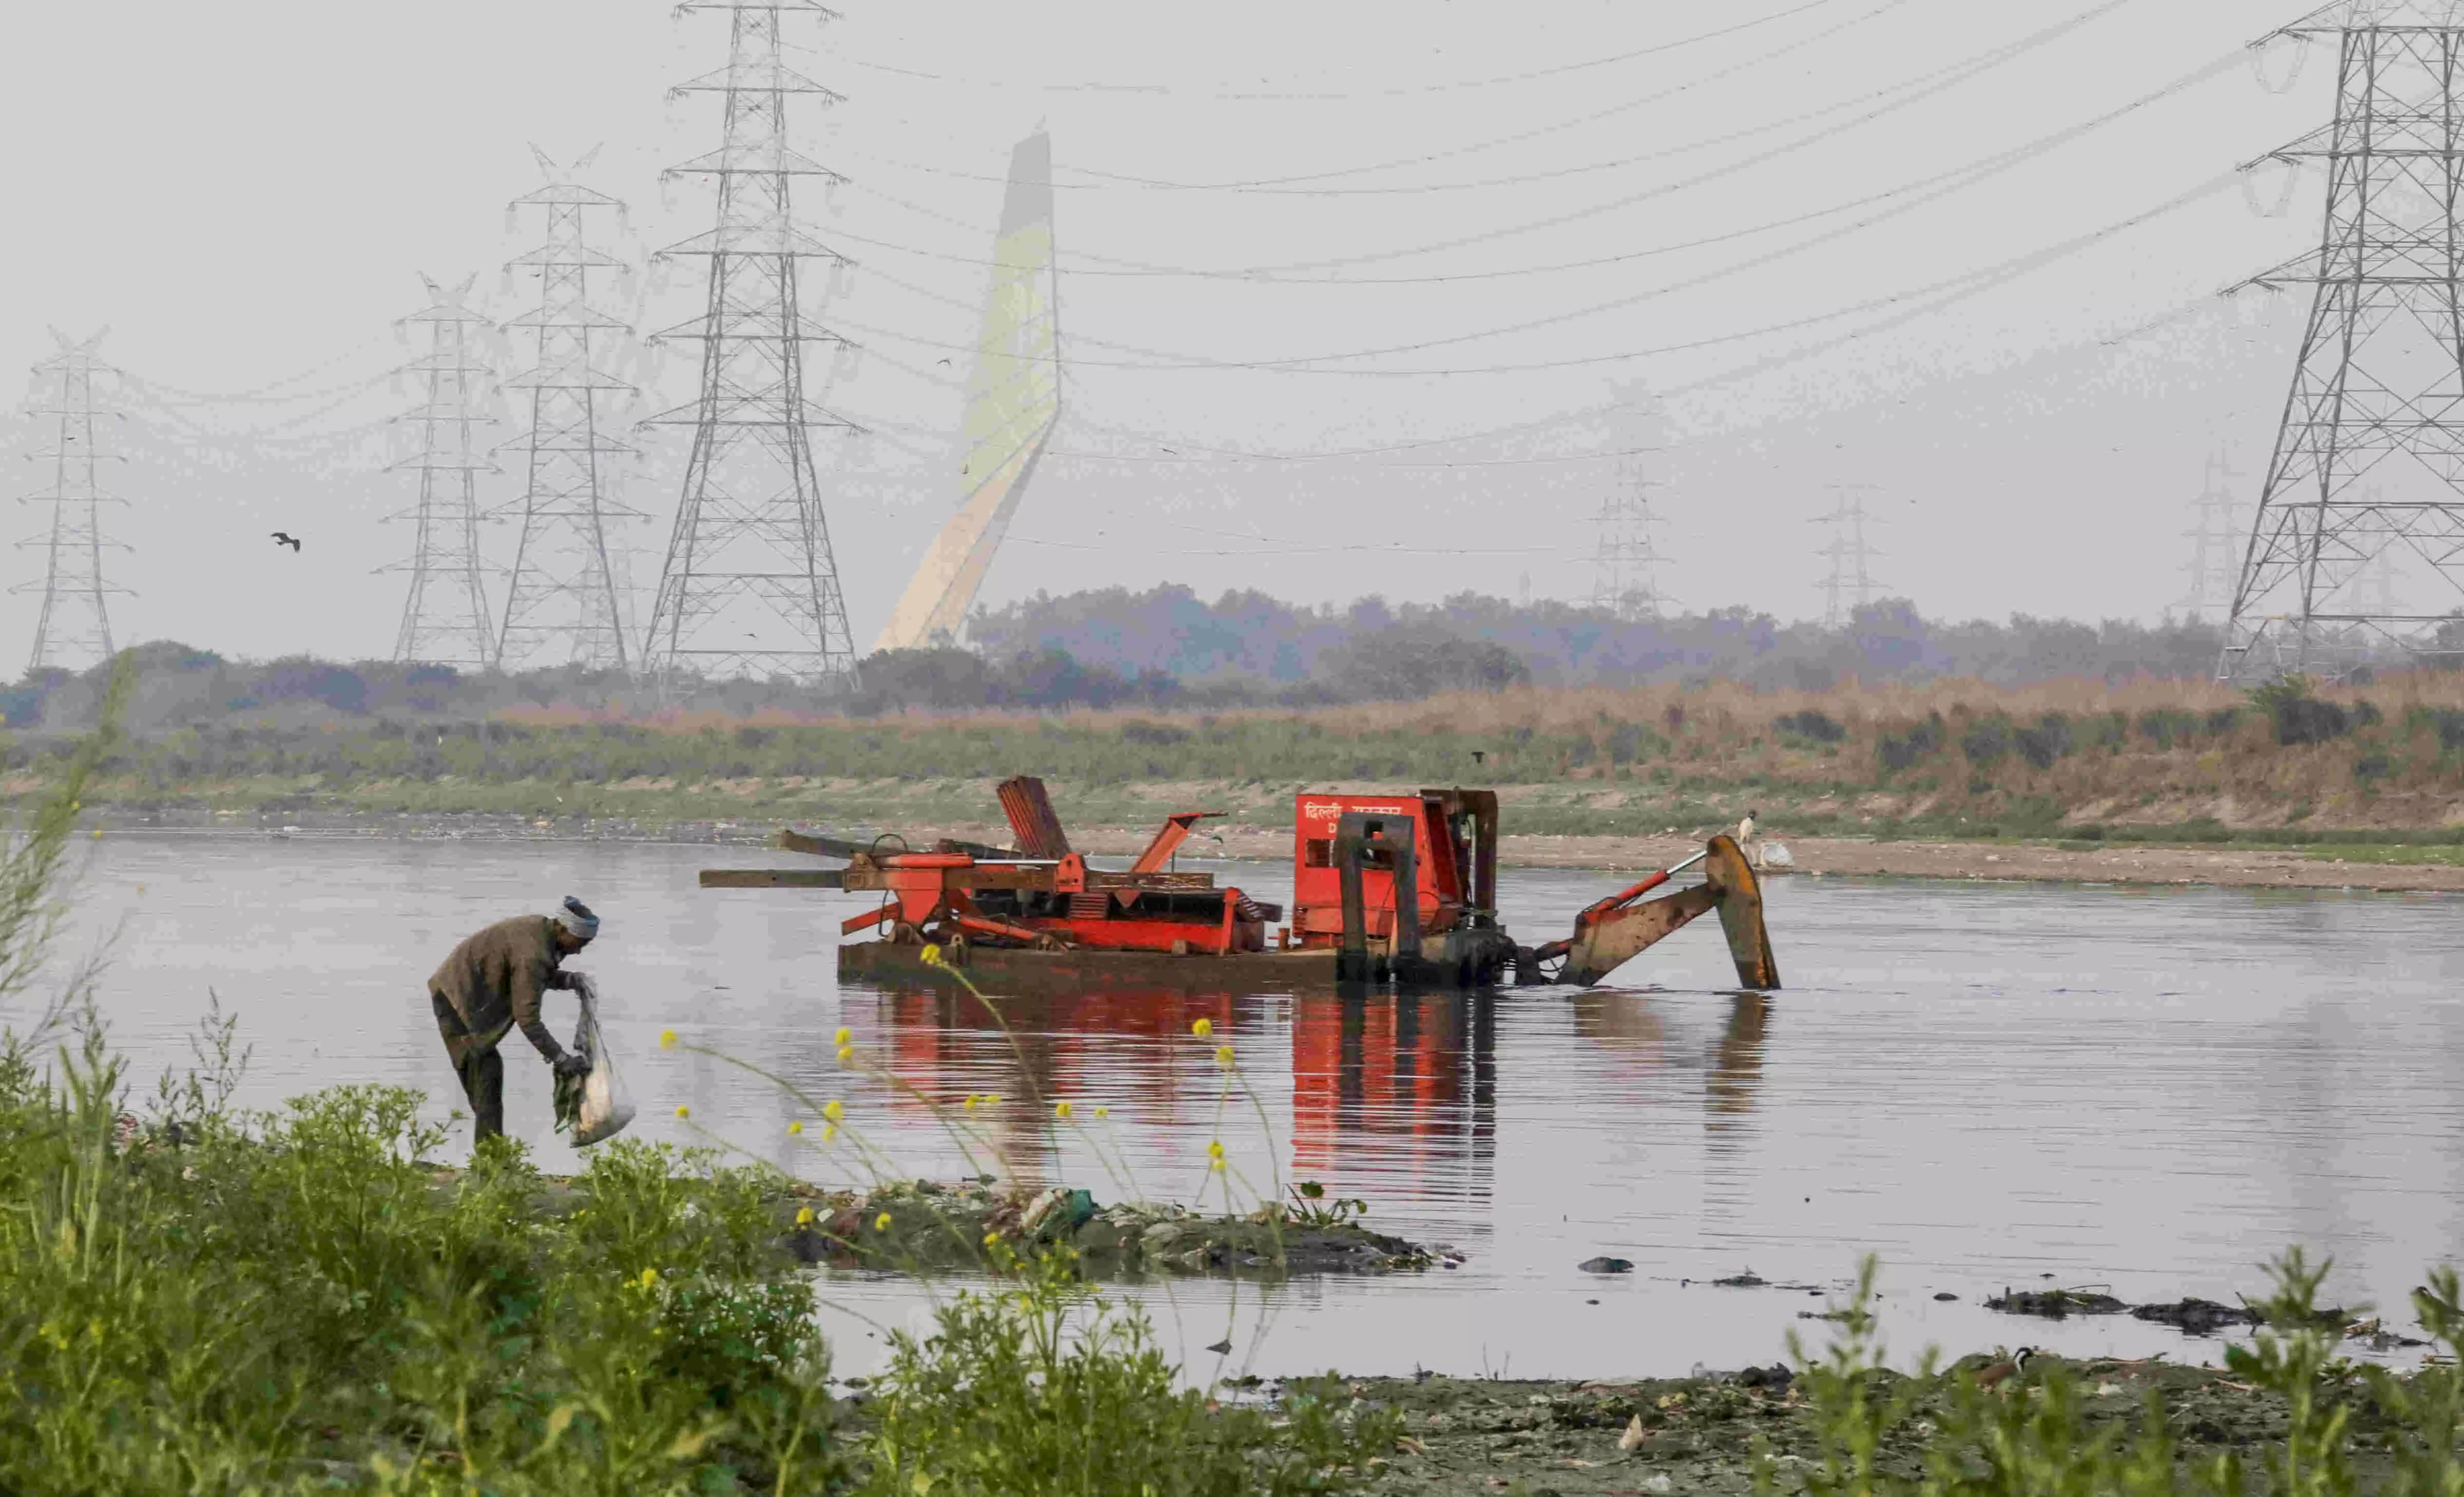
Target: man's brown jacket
[[494, 978]]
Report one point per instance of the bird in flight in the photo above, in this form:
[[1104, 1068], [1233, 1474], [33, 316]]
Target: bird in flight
[[282, 539]]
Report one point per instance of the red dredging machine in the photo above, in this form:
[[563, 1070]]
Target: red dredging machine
[[1039, 913]]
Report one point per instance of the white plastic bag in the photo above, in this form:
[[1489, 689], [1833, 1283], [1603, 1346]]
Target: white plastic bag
[[604, 1109]]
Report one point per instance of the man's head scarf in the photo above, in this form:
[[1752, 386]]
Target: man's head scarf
[[575, 917]]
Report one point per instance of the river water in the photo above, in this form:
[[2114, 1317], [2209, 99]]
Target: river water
[[1986, 1085]]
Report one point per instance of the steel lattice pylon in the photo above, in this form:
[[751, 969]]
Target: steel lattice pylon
[[2381, 371], [445, 620], [1850, 555], [1625, 554], [75, 628], [562, 605], [1625, 560], [750, 586]]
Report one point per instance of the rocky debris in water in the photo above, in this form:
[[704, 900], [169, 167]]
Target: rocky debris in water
[[2375, 1335], [1778, 1375], [921, 1225], [1945, 1296], [2197, 1317], [1748, 1280], [1605, 1265], [2056, 1304]]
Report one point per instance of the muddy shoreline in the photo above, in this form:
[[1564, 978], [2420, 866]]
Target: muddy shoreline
[[1689, 1435], [2130, 864]]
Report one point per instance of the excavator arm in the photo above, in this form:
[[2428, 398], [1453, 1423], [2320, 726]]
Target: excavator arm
[[1616, 929]]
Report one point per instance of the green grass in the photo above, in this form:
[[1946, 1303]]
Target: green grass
[[2443, 855]]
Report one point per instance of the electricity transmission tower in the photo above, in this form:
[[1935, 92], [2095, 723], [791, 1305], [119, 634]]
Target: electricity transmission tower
[[2381, 371], [73, 630], [561, 602], [1624, 560], [445, 621], [2212, 534], [1849, 555], [750, 586]]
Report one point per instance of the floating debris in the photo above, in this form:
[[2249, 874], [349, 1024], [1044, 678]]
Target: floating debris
[[2056, 1304], [1605, 1265], [2196, 1316], [930, 1226]]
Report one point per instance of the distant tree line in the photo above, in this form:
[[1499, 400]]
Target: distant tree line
[[1246, 643], [1169, 648]]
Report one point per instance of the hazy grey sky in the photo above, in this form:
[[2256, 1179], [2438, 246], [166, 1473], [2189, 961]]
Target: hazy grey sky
[[1380, 223]]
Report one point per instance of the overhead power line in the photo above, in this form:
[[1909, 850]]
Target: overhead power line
[[1988, 58], [1526, 76], [1971, 281], [1937, 84]]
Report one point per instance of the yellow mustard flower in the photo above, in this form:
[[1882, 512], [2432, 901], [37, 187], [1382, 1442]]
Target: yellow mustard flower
[[931, 955], [1103, 1112], [1215, 1149], [804, 1216], [833, 1109], [649, 1277], [843, 1038], [683, 1111], [1202, 1028], [1060, 1110], [667, 1039], [795, 1127], [881, 1222], [846, 1053], [1223, 1056], [829, 1130]]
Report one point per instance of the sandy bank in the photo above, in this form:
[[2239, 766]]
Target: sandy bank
[[2125, 863]]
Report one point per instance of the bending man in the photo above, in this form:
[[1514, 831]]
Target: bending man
[[494, 981]]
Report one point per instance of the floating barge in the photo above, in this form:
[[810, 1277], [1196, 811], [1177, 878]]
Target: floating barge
[[1038, 914]]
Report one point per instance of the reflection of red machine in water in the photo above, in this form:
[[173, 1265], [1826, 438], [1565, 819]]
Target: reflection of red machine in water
[[1087, 1047], [1400, 1085], [1392, 887]]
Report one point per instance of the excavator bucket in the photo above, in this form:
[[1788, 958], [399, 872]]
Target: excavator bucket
[[1741, 914], [1608, 940]]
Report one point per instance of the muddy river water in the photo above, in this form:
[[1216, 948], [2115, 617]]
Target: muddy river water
[[1988, 1084]]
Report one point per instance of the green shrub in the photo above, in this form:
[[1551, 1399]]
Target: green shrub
[[1903, 749], [1986, 744], [2299, 717], [1810, 724], [2047, 741], [1045, 1387]]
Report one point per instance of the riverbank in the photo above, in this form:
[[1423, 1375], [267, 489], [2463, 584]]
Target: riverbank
[[2162, 761], [2384, 866], [1705, 1435]]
